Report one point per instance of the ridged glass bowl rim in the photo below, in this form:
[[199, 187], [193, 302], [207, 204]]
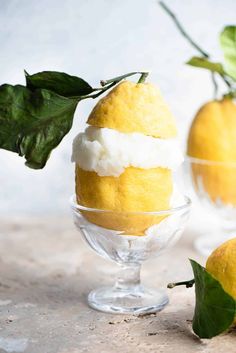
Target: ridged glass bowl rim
[[78, 208], [200, 161]]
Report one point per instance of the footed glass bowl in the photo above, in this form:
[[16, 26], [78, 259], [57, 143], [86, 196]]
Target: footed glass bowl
[[129, 249], [214, 184]]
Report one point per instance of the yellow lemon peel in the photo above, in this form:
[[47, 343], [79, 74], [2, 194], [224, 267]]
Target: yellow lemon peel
[[221, 264], [212, 137], [135, 190], [129, 107], [134, 107]]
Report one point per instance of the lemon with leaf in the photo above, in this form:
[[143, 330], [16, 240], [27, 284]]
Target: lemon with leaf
[[215, 291], [130, 150], [212, 135], [221, 264], [131, 112]]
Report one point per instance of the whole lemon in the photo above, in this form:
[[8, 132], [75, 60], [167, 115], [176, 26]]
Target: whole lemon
[[212, 137], [129, 107], [221, 264]]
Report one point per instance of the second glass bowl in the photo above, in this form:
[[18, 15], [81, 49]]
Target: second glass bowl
[[214, 184]]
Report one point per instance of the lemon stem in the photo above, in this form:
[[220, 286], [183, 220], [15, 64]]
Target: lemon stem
[[228, 84], [215, 85], [182, 30], [104, 89], [119, 78], [188, 284], [143, 77], [193, 43], [107, 84], [230, 95]]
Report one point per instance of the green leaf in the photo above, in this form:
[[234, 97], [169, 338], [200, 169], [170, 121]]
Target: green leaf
[[59, 82], [206, 64], [215, 309], [32, 123], [228, 45]]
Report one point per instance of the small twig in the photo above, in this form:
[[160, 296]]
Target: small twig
[[104, 90], [97, 89], [107, 84], [188, 284], [214, 84], [119, 78], [143, 77], [99, 93], [182, 30], [228, 84], [193, 43]]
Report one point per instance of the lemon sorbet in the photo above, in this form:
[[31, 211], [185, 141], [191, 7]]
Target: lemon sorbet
[[126, 156]]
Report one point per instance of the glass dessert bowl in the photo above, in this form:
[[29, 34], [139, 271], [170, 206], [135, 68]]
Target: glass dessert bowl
[[214, 184], [129, 245]]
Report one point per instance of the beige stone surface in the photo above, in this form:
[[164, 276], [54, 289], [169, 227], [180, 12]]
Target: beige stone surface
[[46, 271]]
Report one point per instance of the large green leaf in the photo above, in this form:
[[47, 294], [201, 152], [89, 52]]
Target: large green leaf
[[215, 309], [32, 123], [59, 82], [228, 45], [206, 64]]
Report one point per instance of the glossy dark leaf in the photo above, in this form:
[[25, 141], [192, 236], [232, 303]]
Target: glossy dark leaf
[[215, 309], [59, 82], [32, 123]]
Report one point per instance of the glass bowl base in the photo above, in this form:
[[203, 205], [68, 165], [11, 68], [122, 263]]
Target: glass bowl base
[[124, 301], [207, 243]]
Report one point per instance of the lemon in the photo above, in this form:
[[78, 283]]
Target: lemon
[[221, 264], [212, 137], [136, 190], [132, 107], [129, 107]]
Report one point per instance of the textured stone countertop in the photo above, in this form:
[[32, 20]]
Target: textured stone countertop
[[47, 271]]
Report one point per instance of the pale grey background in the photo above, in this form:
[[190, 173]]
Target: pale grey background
[[97, 40]]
